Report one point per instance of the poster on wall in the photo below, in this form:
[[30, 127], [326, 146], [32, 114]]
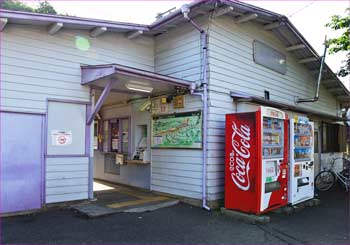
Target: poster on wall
[[156, 106], [61, 137], [180, 130]]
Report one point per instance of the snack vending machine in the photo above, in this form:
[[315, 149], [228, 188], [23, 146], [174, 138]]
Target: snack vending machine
[[301, 167], [256, 169]]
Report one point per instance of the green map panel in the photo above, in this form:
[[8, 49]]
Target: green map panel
[[177, 131]]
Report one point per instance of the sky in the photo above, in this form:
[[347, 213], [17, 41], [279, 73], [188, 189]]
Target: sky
[[309, 17]]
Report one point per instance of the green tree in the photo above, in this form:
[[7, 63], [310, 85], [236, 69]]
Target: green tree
[[44, 7], [341, 43], [16, 5]]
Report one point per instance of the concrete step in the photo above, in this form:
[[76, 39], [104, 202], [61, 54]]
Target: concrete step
[[95, 210], [248, 218], [152, 207]]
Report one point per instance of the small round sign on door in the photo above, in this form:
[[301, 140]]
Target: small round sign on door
[[61, 137]]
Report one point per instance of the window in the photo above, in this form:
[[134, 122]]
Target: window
[[269, 57], [96, 131], [115, 134], [267, 95], [330, 137], [315, 141]]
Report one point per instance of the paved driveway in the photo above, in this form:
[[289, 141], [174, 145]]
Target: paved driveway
[[182, 224]]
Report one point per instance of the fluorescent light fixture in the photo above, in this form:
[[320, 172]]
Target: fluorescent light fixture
[[139, 86]]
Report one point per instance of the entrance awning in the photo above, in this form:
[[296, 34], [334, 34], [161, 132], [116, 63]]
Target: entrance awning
[[130, 81], [243, 97]]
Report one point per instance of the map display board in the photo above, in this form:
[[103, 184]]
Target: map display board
[[180, 130]]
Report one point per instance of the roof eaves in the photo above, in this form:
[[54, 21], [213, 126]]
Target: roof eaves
[[20, 15]]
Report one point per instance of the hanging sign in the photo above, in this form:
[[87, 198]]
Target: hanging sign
[[61, 137]]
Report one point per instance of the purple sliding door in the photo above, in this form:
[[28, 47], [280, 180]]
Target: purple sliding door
[[21, 162]]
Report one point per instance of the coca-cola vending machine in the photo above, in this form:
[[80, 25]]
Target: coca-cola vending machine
[[256, 171]]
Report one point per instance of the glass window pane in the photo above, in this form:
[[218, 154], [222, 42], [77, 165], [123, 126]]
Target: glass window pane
[[105, 136], [269, 57], [316, 142], [114, 136], [125, 135], [95, 144]]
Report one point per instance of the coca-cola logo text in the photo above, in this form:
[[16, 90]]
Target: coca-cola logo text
[[240, 156]]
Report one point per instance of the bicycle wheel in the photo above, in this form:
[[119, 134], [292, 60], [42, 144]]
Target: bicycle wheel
[[344, 179], [324, 181]]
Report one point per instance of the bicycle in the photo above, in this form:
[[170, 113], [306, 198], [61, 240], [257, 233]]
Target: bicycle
[[327, 178]]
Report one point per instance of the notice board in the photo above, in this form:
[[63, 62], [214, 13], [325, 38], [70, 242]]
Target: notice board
[[179, 130]]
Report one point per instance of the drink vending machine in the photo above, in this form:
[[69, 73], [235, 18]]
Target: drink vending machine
[[301, 167], [256, 168]]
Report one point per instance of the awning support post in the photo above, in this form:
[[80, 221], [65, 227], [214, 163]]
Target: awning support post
[[100, 101]]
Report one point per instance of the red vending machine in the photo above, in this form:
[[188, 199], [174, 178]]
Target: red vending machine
[[256, 171]]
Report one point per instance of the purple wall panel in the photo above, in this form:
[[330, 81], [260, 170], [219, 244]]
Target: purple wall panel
[[21, 162]]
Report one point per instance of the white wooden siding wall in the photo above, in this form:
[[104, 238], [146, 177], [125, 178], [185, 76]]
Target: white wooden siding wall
[[66, 179], [35, 65], [179, 172], [177, 53], [232, 69]]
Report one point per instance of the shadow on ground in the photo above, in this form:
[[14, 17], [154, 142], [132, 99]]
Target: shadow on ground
[[182, 224]]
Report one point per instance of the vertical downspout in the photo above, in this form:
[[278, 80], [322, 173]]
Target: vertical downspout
[[204, 37], [319, 145], [204, 95], [318, 85], [91, 149]]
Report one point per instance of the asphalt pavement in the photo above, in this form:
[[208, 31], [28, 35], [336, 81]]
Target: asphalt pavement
[[183, 224]]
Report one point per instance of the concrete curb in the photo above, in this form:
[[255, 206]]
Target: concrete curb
[[248, 218], [297, 208]]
